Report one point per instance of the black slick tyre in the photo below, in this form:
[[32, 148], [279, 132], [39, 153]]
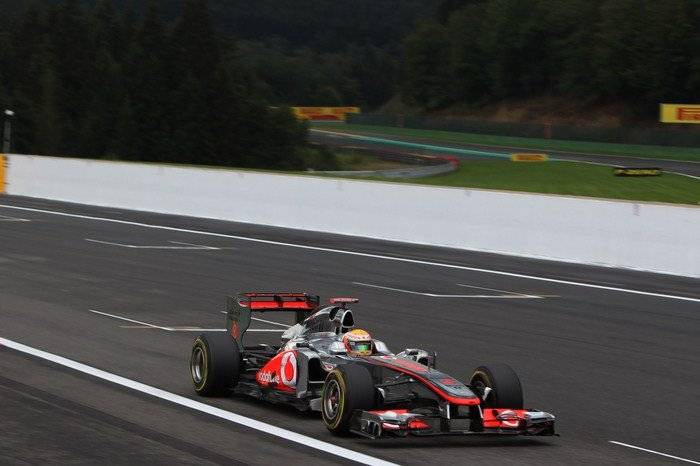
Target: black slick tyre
[[504, 383], [347, 388], [215, 364]]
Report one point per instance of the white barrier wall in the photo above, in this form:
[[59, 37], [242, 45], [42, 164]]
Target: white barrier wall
[[644, 236]]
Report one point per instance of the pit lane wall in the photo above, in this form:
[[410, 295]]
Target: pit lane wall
[[644, 236]]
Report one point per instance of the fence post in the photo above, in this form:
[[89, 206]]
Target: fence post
[[548, 131]]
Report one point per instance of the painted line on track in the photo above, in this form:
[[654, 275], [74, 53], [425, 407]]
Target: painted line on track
[[182, 328], [202, 245], [266, 321], [285, 434], [505, 291], [170, 248], [5, 218], [434, 295], [158, 327], [654, 452], [360, 254]]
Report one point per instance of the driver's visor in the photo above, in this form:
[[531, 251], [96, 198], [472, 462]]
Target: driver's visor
[[361, 346]]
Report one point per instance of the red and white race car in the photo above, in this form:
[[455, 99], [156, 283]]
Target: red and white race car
[[324, 363]]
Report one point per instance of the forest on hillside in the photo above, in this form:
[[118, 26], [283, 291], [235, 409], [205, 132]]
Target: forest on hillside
[[209, 81], [637, 53], [192, 81], [95, 83]]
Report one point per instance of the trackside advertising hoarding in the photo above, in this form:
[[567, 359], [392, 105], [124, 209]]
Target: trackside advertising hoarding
[[3, 171], [680, 113], [324, 113]]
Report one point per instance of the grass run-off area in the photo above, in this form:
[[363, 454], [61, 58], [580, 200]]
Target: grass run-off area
[[568, 178], [352, 160], [509, 142]]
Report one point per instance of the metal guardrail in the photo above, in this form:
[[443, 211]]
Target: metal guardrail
[[422, 165], [416, 145], [409, 172]]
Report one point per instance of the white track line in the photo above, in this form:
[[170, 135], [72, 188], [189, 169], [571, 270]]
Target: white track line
[[499, 291], [145, 324], [274, 330], [654, 452], [200, 245], [269, 322], [4, 218], [361, 254], [183, 329], [159, 327], [263, 320], [433, 295], [684, 174], [285, 434], [172, 248]]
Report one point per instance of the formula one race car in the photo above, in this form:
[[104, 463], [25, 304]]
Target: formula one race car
[[326, 364]]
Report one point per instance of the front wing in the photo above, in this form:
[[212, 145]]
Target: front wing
[[401, 423]]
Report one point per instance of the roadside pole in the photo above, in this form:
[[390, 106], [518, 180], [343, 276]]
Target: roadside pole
[[7, 133]]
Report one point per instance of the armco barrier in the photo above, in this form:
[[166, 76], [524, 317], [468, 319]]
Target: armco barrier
[[645, 236]]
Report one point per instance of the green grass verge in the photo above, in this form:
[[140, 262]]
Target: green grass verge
[[601, 148], [568, 178], [353, 160]]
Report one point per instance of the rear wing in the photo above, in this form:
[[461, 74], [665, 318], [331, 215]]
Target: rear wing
[[240, 308]]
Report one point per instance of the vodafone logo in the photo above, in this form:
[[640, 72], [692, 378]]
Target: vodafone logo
[[288, 369]]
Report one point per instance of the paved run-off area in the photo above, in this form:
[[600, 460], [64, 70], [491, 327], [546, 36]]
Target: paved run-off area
[[614, 354]]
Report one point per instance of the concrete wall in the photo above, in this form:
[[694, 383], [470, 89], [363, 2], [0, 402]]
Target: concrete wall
[[644, 236]]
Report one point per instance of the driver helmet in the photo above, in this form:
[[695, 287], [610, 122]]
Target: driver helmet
[[358, 342]]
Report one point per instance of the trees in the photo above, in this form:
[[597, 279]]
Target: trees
[[89, 83], [426, 67], [637, 53], [644, 51]]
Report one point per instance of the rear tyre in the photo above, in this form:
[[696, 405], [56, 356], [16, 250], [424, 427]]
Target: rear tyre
[[215, 364], [504, 383], [347, 388]]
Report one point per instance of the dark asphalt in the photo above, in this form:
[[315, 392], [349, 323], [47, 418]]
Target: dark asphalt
[[670, 166], [611, 365]]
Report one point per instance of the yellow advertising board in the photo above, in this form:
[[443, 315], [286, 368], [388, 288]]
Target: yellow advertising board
[[324, 113], [528, 157], [3, 172], [637, 171], [680, 113]]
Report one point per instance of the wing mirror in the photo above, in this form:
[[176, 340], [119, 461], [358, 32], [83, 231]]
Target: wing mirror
[[427, 358]]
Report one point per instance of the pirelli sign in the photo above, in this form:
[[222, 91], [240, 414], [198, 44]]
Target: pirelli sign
[[680, 113], [324, 113], [637, 171], [528, 157]]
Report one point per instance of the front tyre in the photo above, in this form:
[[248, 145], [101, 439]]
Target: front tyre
[[347, 388], [215, 364], [506, 391]]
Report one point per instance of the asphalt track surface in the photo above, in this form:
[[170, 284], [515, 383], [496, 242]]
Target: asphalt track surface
[[615, 361], [326, 136]]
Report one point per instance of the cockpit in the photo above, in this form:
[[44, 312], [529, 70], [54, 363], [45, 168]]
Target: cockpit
[[323, 330]]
